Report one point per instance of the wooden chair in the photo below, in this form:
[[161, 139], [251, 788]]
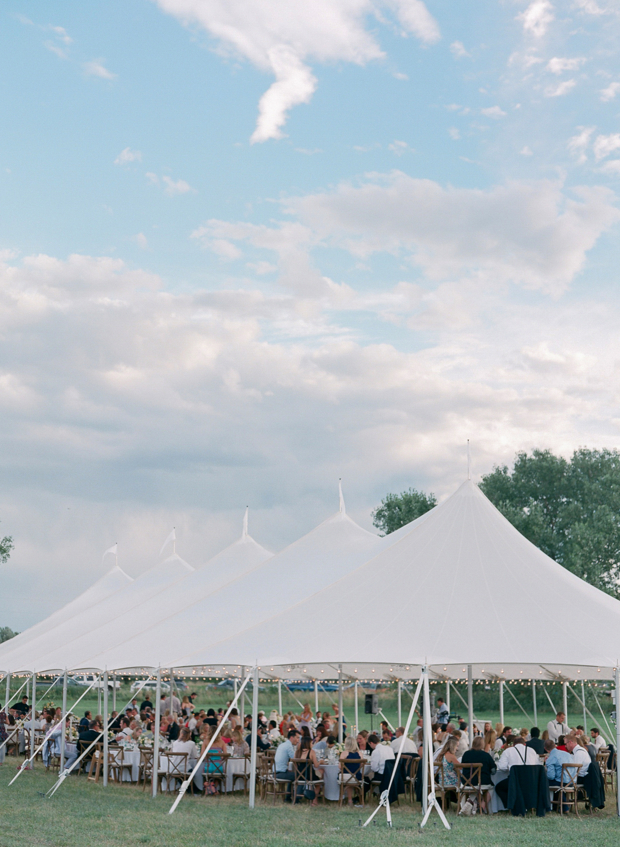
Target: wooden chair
[[469, 776], [602, 757], [351, 776], [118, 766], [442, 790], [146, 767], [175, 768], [567, 794], [273, 786], [244, 774], [96, 763], [411, 776], [215, 769]]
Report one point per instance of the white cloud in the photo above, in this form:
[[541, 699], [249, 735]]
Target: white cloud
[[558, 65], [454, 133], [152, 178], [61, 33], [561, 89], [605, 144], [610, 92], [128, 155], [55, 49], [97, 68], [179, 186], [579, 143], [493, 112], [525, 151], [611, 167], [591, 7], [286, 45], [458, 50], [400, 147], [401, 76], [141, 240], [537, 17]]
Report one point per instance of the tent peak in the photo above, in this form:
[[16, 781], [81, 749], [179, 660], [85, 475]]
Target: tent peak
[[343, 509], [244, 531]]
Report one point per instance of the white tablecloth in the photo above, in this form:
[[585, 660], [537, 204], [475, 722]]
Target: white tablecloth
[[330, 776], [234, 766], [131, 756]]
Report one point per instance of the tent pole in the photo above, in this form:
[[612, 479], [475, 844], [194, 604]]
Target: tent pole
[[27, 687], [501, 702], [357, 717], [8, 695], [565, 701], [316, 697], [114, 693], [340, 715], [34, 706], [254, 747], [400, 705], [583, 701], [429, 778], [535, 705], [235, 688], [155, 763], [98, 699], [105, 725], [617, 734], [279, 698], [470, 703], [448, 697], [242, 701], [63, 732]]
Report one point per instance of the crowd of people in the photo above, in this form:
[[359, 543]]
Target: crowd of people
[[310, 735]]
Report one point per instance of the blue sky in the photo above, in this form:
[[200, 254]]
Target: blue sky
[[247, 248]]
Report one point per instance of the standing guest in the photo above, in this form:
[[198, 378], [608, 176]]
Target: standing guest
[[418, 732], [558, 727], [173, 728], [305, 719], [443, 713], [386, 728], [186, 707], [401, 741], [146, 703], [381, 753], [535, 742], [211, 718], [172, 703], [518, 754], [597, 739], [284, 754], [22, 708]]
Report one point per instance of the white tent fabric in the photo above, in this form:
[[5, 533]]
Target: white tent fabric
[[463, 586], [108, 584], [329, 552], [24, 657], [119, 626]]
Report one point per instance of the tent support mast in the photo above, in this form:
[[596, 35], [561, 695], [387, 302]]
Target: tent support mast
[[357, 716], [431, 802], [555, 711], [565, 700], [8, 694], [448, 697], [105, 723], [32, 713], [340, 715], [316, 697], [242, 701], [501, 702], [400, 702], [63, 732], [583, 702], [618, 732], [155, 766], [534, 701], [470, 703], [114, 693], [254, 747], [279, 698]]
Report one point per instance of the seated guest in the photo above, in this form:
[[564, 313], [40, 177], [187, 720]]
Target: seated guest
[[273, 732], [518, 754], [597, 739], [386, 729], [560, 743], [85, 722], [525, 735], [535, 741], [401, 741], [174, 730], [351, 753], [446, 755], [262, 742], [115, 722], [239, 745], [285, 752], [312, 770], [558, 727], [555, 759], [464, 730], [381, 753], [125, 731], [478, 756], [211, 718], [503, 735], [418, 732], [386, 736], [22, 708], [213, 763], [184, 744], [362, 741], [489, 742], [579, 754], [462, 744]]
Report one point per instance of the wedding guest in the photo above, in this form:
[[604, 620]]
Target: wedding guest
[[579, 754], [284, 753], [447, 756], [313, 768], [401, 741], [535, 742], [558, 727], [443, 713], [381, 753], [597, 739], [240, 747], [489, 742], [184, 744], [477, 755], [518, 754], [353, 771]]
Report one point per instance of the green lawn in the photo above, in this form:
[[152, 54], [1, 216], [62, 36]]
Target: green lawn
[[82, 814]]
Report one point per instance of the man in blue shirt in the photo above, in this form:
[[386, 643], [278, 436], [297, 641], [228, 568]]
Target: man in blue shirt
[[555, 760], [285, 752]]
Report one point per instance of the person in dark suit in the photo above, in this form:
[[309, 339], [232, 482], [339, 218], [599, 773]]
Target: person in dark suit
[[22, 708], [536, 742], [86, 721]]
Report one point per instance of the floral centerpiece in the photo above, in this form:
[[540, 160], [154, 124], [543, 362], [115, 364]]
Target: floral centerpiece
[[275, 742]]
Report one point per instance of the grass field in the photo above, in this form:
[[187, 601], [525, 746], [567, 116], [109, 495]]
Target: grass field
[[83, 814]]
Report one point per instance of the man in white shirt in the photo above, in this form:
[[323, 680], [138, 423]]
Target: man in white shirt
[[558, 727], [597, 739], [418, 732], [579, 754], [463, 742], [402, 741], [380, 755], [518, 754]]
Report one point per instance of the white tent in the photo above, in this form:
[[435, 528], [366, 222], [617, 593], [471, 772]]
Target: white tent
[[114, 580], [22, 657], [463, 586], [126, 620], [329, 552]]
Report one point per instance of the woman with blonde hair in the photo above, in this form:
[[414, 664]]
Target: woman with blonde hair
[[447, 756], [239, 744], [489, 741], [305, 719], [352, 772]]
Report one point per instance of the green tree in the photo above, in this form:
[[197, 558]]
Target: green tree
[[570, 509], [396, 510], [6, 633], [6, 545]]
